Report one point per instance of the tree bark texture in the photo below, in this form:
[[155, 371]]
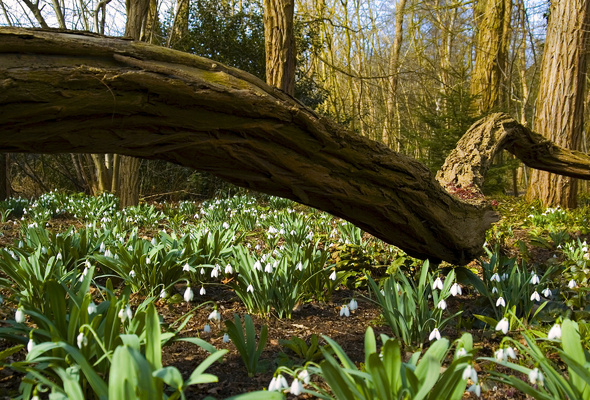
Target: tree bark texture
[[492, 40], [279, 44], [560, 102], [71, 92]]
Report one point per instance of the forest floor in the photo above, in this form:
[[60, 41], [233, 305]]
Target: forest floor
[[320, 318]]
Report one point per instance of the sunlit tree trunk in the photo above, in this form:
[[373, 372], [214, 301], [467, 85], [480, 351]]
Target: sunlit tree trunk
[[560, 102], [493, 37], [279, 42]]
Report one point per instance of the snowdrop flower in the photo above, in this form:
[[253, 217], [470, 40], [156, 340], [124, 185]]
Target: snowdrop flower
[[215, 271], [535, 279], [554, 332], [215, 315], [536, 377], [202, 291], [225, 338], [148, 260], [163, 294], [461, 352], [504, 276], [92, 308], [19, 315], [296, 387], [186, 267], [132, 274], [154, 242], [188, 294], [81, 340], [59, 256], [547, 292], [500, 302], [470, 373], [499, 355], [268, 268], [437, 284], [476, 389], [278, 383], [108, 253], [304, 376], [333, 275], [495, 277], [202, 271], [535, 296], [207, 328], [225, 225], [228, 269], [272, 386], [435, 334], [456, 289], [495, 290], [299, 266], [257, 266], [353, 305], [345, 311], [102, 248], [30, 345], [125, 313], [503, 325], [442, 304], [250, 289], [572, 284], [509, 353]]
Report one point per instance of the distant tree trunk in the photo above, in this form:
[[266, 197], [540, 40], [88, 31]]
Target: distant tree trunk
[[560, 102], [279, 43], [493, 21], [180, 24], [4, 176], [393, 78]]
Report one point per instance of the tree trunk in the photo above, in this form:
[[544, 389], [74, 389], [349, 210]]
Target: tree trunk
[[279, 44], [560, 102], [89, 94], [493, 22]]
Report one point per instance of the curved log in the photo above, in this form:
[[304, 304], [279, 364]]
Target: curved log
[[467, 165], [72, 92]]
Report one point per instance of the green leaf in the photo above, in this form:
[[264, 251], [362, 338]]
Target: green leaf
[[171, 376]]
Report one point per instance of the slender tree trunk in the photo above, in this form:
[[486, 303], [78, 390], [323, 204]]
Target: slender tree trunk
[[560, 102], [279, 42], [493, 21]]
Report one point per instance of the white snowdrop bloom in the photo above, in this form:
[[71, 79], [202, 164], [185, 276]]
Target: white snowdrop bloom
[[535, 296], [215, 271], [92, 309], [225, 338], [547, 292], [59, 256], [296, 387], [202, 292], [215, 315], [228, 269], [499, 355], [304, 376], [132, 274], [504, 276], [344, 311], [495, 290], [535, 279], [536, 377], [202, 271], [476, 389], [207, 328], [333, 275], [309, 235], [470, 373], [554, 332], [81, 340], [163, 294], [153, 242], [186, 267], [125, 313], [500, 302], [272, 386], [225, 225], [257, 266], [250, 289], [503, 326], [108, 253], [19, 315], [282, 382], [257, 247], [268, 268], [495, 277], [442, 304], [572, 284], [461, 352], [188, 294], [456, 289], [299, 266], [353, 305], [148, 260], [435, 334], [438, 284], [30, 345], [509, 352], [272, 230]]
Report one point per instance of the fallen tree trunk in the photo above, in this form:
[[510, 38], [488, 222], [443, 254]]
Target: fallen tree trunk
[[72, 92]]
